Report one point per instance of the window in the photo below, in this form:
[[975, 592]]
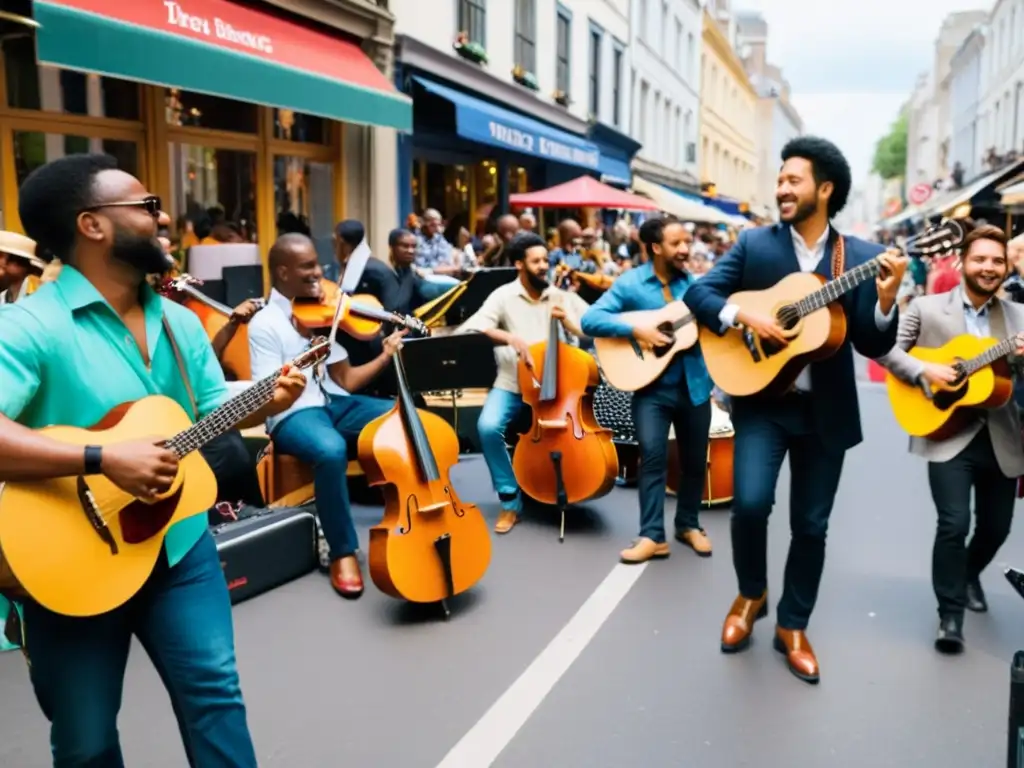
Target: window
[[526, 35], [690, 57], [679, 47], [643, 19], [33, 149], [304, 201], [214, 185], [644, 134], [50, 89], [617, 85], [306, 129], [563, 50], [472, 19], [664, 29], [596, 34], [678, 139], [185, 108]]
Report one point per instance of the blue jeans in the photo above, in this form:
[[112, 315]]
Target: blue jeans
[[655, 409], [500, 409], [435, 285], [182, 616], [321, 437]]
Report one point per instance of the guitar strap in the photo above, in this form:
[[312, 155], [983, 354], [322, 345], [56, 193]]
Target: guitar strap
[[182, 371], [838, 258]]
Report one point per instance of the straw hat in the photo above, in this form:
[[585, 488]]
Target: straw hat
[[21, 247]]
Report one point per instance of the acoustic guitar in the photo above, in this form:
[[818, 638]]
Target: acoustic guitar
[[80, 546], [984, 381], [628, 366], [807, 308]]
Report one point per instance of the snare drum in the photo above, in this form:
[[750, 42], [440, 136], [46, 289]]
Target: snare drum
[[718, 487]]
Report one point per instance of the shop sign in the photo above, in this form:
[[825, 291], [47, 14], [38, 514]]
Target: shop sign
[[532, 143], [226, 25]]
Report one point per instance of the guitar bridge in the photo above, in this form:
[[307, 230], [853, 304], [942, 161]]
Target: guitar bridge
[[93, 515]]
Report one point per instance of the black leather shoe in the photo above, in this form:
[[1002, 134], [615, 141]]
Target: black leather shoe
[[976, 597], [950, 638]]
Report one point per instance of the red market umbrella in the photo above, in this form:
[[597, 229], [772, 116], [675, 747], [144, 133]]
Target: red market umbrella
[[584, 192]]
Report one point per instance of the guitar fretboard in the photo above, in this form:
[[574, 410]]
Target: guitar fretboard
[[989, 356], [833, 289], [224, 418]]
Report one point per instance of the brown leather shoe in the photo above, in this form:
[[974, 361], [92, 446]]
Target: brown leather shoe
[[739, 622], [346, 577], [800, 658], [644, 549], [506, 522], [696, 539]]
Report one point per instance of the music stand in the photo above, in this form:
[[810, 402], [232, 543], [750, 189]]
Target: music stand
[[479, 286], [456, 362]]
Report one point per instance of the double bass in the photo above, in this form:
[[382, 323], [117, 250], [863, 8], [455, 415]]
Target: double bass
[[566, 457], [429, 545]]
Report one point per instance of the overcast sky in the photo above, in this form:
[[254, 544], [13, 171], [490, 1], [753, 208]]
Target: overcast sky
[[852, 63]]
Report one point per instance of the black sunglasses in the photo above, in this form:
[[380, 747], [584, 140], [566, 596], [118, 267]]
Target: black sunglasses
[[151, 204]]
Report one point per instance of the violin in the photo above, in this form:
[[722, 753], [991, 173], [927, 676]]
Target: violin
[[214, 316], [566, 457], [429, 545], [361, 316]]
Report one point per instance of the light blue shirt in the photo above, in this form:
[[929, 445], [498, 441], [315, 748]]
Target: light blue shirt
[[641, 289], [976, 320]]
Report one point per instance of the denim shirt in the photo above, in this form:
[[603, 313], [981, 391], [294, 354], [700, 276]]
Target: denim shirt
[[640, 289]]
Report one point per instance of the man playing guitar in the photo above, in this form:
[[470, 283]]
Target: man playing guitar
[[818, 420], [517, 315], [680, 396], [987, 457], [319, 429], [98, 337]]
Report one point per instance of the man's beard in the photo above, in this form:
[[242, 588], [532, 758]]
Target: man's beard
[[804, 210], [143, 253], [540, 282], [977, 288]]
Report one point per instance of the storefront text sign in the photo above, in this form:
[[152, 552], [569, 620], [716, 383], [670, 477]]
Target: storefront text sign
[[225, 24], [534, 144]]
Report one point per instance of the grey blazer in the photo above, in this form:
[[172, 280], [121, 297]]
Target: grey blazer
[[931, 321]]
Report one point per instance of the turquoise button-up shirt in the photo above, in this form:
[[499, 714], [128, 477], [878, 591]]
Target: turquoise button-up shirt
[[640, 289], [67, 358]]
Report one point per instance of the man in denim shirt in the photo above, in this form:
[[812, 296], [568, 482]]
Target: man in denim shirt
[[680, 397], [434, 256]]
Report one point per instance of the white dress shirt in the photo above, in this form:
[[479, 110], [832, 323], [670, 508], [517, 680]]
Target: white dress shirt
[[273, 341], [809, 257], [976, 320]]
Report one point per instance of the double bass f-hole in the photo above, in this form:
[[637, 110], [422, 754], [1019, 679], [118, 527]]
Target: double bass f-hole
[[412, 507]]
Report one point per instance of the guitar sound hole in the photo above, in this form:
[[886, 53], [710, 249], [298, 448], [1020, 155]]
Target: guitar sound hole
[[944, 399], [770, 347], [669, 331], [788, 317], [140, 521]]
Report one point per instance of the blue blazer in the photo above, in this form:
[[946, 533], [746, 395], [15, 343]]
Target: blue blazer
[[759, 260]]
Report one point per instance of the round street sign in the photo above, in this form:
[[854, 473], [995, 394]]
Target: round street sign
[[920, 193]]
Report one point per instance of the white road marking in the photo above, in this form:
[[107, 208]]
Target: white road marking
[[494, 731]]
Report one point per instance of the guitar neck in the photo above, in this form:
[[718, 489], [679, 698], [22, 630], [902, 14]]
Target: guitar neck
[[834, 289], [234, 411], [1002, 349]]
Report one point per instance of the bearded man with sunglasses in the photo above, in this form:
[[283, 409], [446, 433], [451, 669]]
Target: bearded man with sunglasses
[[97, 337]]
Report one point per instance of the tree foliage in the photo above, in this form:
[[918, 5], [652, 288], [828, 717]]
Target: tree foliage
[[891, 150]]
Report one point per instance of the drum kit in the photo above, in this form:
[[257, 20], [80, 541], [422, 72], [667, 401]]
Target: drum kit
[[613, 410]]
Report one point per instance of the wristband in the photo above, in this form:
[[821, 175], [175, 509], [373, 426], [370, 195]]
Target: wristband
[[93, 460]]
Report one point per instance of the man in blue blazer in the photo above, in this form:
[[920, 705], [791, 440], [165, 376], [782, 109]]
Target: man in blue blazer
[[818, 420]]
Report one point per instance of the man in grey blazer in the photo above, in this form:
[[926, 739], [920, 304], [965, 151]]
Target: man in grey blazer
[[987, 456]]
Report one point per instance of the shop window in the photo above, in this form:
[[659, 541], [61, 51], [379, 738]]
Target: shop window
[[50, 89], [198, 110], [444, 188], [211, 187], [518, 181], [304, 201], [295, 126], [33, 149], [486, 214]]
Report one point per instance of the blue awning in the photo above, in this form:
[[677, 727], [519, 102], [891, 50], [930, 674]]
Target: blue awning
[[486, 123], [725, 204], [614, 171]]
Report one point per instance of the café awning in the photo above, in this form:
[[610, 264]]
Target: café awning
[[223, 49], [584, 192], [679, 206]]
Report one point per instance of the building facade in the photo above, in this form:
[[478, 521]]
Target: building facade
[[510, 96], [1002, 82], [728, 144], [181, 104], [964, 85], [665, 45], [777, 120], [923, 133]]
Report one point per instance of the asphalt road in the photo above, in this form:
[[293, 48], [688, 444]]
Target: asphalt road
[[627, 673]]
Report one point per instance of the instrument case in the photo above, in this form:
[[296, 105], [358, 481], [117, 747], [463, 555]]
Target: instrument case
[[266, 549]]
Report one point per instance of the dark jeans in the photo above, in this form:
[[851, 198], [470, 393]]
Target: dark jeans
[[182, 616], [763, 438], [953, 563], [326, 439], [234, 468], [654, 410]]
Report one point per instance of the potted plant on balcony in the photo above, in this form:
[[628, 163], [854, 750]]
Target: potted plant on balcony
[[561, 97], [524, 78], [468, 49]]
